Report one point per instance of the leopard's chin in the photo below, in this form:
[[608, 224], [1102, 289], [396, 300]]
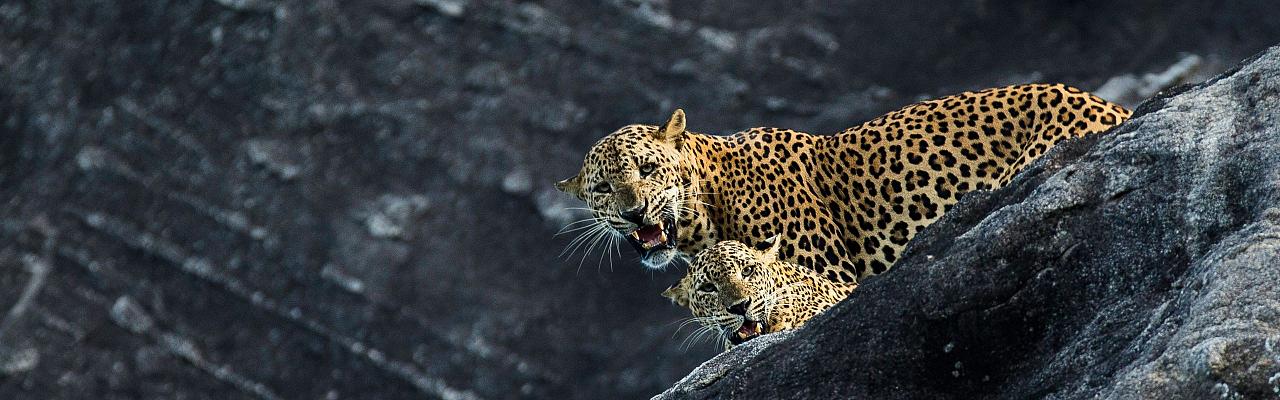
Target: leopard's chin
[[658, 259]]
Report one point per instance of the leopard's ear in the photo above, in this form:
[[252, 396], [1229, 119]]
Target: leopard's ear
[[673, 129], [571, 186], [769, 248], [677, 294]]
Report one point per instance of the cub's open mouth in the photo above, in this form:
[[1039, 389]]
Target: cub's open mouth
[[749, 330], [653, 237]]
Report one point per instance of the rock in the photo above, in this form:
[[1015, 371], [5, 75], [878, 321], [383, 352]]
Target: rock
[[559, 210], [279, 158], [714, 369], [391, 215], [248, 5], [130, 315], [341, 278], [451, 8], [13, 362], [517, 182], [1129, 89], [1135, 264]]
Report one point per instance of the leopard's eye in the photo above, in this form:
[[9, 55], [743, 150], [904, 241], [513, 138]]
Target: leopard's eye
[[748, 271], [707, 287], [602, 187], [647, 169]]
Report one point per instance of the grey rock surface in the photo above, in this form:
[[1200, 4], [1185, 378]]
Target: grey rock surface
[[1141, 263], [232, 199]]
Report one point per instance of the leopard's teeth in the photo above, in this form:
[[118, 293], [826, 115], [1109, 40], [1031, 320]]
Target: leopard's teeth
[[636, 234]]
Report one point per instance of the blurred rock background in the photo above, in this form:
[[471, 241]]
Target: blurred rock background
[[321, 199]]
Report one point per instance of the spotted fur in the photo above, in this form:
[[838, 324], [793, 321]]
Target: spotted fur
[[742, 292], [848, 202]]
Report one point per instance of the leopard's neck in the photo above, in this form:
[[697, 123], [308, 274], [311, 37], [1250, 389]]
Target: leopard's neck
[[701, 172]]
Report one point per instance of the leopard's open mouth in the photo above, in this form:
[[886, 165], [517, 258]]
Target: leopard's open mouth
[[749, 330], [650, 238]]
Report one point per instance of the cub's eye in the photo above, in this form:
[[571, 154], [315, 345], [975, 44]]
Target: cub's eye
[[748, 271], [647, 169], [602, 187], [707, 287]]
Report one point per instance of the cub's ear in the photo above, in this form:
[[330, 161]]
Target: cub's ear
[[674, 128], [677, 294], [571, 186], [769, 248]]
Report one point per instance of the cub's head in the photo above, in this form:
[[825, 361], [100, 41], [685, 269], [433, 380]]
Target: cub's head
[[736, 290], [633, 184]]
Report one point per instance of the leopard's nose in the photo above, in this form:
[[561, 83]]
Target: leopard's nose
[[740, 308], [634, 215]]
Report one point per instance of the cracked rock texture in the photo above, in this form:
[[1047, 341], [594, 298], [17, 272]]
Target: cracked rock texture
[[329, 199], [1141, 263]]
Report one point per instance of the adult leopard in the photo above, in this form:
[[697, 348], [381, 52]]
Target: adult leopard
[[848, 202]]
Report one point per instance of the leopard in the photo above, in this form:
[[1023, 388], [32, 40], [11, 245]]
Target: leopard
[[742, 292], [849, 202]]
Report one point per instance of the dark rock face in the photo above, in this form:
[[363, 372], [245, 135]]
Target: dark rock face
[[351, 199], [1136, 264]]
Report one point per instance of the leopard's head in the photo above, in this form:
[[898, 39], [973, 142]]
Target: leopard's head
[[737, 290], [635, 185]]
